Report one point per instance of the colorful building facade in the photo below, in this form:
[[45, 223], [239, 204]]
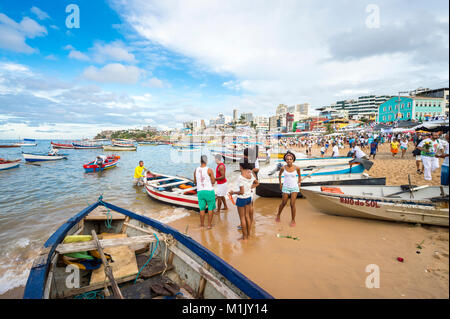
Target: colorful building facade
[[410, 108]]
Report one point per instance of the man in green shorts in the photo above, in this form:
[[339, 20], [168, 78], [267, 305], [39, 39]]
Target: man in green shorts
[[204, 179]]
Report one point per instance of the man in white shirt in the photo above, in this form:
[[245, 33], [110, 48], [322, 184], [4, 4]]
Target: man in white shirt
[[335, 150], [429, 148], [357, 153], [444, 167]]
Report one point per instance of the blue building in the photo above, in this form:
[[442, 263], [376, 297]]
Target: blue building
[[410, 108]]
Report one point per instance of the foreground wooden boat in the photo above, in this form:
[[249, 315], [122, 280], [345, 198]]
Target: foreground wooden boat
[[173, 190], [5, 164], [41, 157], [273, 171], [270, 187], [119, 148], [136, 256], [111, 161], [422, 204]]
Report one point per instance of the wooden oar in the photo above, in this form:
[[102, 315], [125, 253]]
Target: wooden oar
[[108, 269], [410, 190]]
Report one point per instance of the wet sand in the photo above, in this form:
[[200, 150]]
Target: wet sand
[[330, 259]]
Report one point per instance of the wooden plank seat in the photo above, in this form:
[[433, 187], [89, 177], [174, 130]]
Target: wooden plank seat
[[111, 242]]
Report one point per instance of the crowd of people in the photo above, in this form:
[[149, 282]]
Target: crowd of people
[[213, 188]]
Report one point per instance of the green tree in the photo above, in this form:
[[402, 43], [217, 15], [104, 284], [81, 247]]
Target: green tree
[[330, 128]]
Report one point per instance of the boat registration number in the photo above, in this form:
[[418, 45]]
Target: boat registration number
[[367, 203]]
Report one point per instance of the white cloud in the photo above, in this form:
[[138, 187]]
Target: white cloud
[[154, 83], [13, 35], [113, 73], [42, 15], [115, 51], [284, 52]]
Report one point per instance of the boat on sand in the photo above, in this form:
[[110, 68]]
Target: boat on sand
[[123, 255], [412, 204]]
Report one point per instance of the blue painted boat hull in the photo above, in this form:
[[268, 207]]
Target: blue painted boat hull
[[37, 278]]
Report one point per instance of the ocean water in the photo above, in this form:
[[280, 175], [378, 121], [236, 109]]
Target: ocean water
[[36, 200]]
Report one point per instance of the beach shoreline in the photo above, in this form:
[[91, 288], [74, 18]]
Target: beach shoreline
[[330, 259]]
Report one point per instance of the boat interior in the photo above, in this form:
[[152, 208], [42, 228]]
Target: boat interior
[[119, 257]]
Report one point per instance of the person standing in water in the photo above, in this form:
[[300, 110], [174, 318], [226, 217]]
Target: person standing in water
[[222, 185], [204, 179], [246, 182], [290, 186], [139, 174]]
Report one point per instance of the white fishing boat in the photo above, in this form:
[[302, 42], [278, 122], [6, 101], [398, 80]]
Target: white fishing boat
[[412, 204], [5, 164], [173, 190], [41, 157], [24, 144]]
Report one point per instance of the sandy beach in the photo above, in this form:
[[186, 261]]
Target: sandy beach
[[330, 259]]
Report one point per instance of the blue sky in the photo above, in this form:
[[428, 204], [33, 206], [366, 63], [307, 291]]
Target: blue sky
[[134, 63]]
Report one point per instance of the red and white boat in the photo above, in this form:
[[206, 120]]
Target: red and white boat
[[172, 190], [111, 161], [5, 164], [60, 145]]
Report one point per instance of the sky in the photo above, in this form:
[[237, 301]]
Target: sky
[[70, 69]]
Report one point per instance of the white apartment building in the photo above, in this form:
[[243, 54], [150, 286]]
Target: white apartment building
[[363, 106]]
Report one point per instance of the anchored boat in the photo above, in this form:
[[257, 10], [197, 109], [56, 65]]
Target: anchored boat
[[5, 164], [120, 254], [61, 145], [82, 146], [412, 204], [111, 161], [40, 157], [119, 148]]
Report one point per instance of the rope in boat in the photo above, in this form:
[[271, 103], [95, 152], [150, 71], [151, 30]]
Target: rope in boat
[[91, 295], [170, 241], [151, 256], [108, 221]]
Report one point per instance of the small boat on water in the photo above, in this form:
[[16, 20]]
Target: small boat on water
[[5, 164], [24, 144], [88, 146], [119, 148], [412, 204], [40, 157], [123, 255], [122, 143], [270, 187], [61, 145], [173, 190], [111, 161], [8, 145]]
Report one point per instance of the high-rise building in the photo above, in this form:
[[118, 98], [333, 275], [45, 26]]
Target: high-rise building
[[235, 115], [363, 106], [248, 117]]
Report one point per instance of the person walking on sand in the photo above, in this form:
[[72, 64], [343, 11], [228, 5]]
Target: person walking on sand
[[428, 148], [403, 145], [444, 167], [291, 185], [373, 148], [204, 179], [394, 147], [246, 183], [222, 185], [335, 150]]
